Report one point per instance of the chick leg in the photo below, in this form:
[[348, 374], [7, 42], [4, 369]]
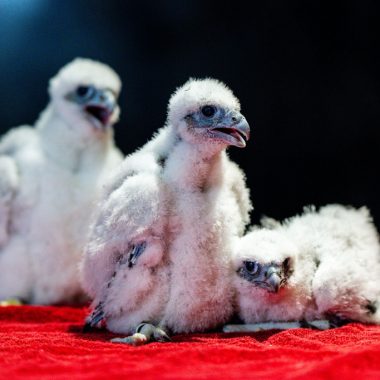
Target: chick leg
[[145, 333], [97, 319]]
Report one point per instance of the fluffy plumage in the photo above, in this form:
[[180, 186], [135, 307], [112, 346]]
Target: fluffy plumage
[[50, 177], [183, 200], [327, 263]]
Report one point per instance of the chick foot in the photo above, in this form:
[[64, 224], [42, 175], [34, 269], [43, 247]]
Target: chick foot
[[145, 333]]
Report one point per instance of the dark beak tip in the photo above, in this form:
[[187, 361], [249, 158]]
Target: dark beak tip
[[275, 282], [244, 128]]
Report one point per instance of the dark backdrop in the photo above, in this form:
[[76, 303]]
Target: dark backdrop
[[306, 72]]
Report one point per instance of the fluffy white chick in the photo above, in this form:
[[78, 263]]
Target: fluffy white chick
[[273, 279], [159, 249], [50, 177], [323, 264]]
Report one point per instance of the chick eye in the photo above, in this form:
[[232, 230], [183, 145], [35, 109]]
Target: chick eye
[[208, 111], [252, 267], [84, 91]]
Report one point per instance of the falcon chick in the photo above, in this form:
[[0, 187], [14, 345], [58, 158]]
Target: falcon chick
[[159, 250], [323, 264], [50, 177]]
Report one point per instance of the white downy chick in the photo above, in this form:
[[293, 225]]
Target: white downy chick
[[159, 249], [50, 178], [272, 278], [323, 264]]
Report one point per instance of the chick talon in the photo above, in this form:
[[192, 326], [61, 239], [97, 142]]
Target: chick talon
[[160, 335]]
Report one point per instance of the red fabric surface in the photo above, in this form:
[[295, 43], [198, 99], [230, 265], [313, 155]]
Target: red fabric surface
[[47, 343]]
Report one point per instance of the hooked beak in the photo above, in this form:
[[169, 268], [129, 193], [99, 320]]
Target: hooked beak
[[100, 108], [234, 130], [274, 279]]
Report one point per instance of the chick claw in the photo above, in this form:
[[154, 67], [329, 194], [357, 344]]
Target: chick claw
[[145, 333]]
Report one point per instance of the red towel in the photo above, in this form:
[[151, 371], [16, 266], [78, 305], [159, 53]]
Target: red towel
[[47, 343]]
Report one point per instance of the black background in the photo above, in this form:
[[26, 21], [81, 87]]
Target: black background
[[306, 73]]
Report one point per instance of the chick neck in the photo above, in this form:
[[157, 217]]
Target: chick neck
[[194, 167]]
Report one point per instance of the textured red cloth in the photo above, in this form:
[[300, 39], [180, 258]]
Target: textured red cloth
[[47, 343]]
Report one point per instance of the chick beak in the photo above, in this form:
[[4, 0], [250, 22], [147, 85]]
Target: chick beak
[[234, 129], [101, 107], [274, 279], [243, 132]]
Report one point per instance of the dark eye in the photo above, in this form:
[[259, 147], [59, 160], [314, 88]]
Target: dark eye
[[84, 91], [252, 267], [208, 111]]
